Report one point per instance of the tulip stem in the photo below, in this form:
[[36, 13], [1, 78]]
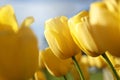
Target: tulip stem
[[78, 68], [65, 78], [111, 66], [33, 78]]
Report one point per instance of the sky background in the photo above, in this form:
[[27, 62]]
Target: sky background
[[43, 10]]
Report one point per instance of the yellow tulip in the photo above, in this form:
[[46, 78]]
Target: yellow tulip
[[59, 38], [7, 18], [80, 30], [54, 65], [39, 75], [18, 47], [41, 63], [97, 62], [84, 60], [105, 24]]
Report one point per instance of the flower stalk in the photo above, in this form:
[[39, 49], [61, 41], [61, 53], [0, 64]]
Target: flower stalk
[[78, 68], [111, 66], [65, 78]]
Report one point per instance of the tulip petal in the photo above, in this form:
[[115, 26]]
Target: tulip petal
[[27, 22], [56, 66], [7, 18], [62, 40], [105, 28]]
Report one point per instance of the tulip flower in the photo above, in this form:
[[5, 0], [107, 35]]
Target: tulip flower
[[55, 66], [39, 75], [59, 38], [80, 30], [105, 24], [18, 46], [97, 62], [82, 33]]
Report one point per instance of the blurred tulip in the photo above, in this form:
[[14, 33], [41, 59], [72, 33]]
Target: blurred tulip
[[54, 65], [105, 24], [80, 30], [84, 60], [18, 47], [8, 19], [41, 62], [59, 38], [39, 75], [97, 62]]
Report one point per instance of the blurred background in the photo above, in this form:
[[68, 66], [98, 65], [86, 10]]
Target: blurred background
[[43, 10]]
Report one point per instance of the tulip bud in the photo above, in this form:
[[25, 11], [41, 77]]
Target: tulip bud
[[81, 33], [105, 27], [59, 38], [54, 65]]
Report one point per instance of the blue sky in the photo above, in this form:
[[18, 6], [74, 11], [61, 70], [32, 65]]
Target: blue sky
[[43, 10]]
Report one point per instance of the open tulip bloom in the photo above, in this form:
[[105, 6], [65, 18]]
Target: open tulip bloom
[[18, 47]]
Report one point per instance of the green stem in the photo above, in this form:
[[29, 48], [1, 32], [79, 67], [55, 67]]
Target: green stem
[[78, 68], [65, 78], [111, 66], [33, 78]]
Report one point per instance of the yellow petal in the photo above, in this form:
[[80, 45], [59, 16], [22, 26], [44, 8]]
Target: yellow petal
[[61, 38], [28, 52], [55, 65], [105, 28], [8, 49], [7, 18], [28, 21], [81, 34], [53, 44], [41, 63], [39, 75], [112, 5]]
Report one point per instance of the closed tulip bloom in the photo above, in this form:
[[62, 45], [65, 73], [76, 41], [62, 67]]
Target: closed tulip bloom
[[18, 47], [54, 65], [59, 38], [80, 30], [105, 21]]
